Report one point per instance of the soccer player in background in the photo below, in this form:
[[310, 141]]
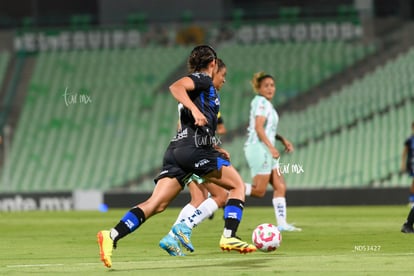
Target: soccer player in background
[[407, 165], [407, 227], [407, 162], [261, 153], [184, 156]]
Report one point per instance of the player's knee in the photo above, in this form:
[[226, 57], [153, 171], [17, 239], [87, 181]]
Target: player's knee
[[161, 207], [281, 190], [221, 201], [258, 192]]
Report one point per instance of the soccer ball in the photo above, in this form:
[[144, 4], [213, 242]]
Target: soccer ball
[[266, 237]]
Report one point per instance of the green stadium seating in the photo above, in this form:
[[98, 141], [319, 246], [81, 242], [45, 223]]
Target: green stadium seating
[[366, 153], [122, 134], [296, 66], [4, 61], [59, 145]]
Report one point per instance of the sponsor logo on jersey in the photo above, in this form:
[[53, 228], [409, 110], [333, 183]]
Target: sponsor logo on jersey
[[201, 163]]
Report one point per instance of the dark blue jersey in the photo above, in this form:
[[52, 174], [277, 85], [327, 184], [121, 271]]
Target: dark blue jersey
[[409, 143], [205, 97]]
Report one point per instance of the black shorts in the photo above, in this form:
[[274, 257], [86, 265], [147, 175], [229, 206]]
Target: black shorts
[[171, 169], [199, 160], [184, 161]]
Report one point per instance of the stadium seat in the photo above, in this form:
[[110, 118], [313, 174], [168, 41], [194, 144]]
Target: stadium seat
[[4, 62]]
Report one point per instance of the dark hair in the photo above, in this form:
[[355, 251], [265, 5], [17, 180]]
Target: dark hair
[[220, 64], [200, 57]]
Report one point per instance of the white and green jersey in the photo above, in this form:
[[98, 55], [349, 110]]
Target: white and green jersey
[[260, 106]]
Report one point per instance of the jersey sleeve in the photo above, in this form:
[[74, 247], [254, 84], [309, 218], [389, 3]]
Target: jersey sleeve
[[262, 107], [201, 82]]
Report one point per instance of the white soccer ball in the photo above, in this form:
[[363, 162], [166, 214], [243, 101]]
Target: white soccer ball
[[266, 237]]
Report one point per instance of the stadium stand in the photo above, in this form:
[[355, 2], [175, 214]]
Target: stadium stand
[[296, 66], [89, 117], [106, 130], [4, 60], [353, 138]]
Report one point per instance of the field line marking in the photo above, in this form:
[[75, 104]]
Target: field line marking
[[32, 265], [175, 259]]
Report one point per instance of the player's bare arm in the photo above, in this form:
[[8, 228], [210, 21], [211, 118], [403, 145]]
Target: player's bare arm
[[179, 90], [288, 145], [259, 127]]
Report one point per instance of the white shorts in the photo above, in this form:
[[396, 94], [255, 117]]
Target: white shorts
[[259, 159]]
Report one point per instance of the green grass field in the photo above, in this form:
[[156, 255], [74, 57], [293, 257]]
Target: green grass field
[[339, 240]]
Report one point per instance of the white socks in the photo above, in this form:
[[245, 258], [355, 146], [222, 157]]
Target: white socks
[[192, 216], [205, 210], [279, 204], [248, 189], [113, 234], [186, 212]]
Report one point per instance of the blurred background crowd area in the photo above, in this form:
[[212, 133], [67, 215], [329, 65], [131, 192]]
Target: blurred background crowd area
[[85, 102]]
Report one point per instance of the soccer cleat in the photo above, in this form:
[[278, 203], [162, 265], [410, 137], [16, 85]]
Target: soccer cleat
[[236, 244], [106, 246], [288, 228], [183, 234], [171, 245], [407, 229]]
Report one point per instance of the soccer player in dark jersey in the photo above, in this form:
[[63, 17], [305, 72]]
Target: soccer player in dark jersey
[[407, 162], [407, 165], [201, 206], [191, 151]]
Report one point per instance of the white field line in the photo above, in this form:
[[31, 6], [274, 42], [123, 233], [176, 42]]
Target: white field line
[[204, 260]]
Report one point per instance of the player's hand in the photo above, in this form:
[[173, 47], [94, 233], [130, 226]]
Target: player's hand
[[224, 152], [199, 118], [275, 153], [288, 146]]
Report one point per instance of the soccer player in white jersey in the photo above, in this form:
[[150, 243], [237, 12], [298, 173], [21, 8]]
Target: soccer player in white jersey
[[261, 153]]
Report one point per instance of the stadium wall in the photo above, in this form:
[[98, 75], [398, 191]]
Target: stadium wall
[[98, 200], [328, 197]]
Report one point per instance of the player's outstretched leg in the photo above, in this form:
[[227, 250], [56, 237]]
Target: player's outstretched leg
[[107, 239], [106, 245]]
